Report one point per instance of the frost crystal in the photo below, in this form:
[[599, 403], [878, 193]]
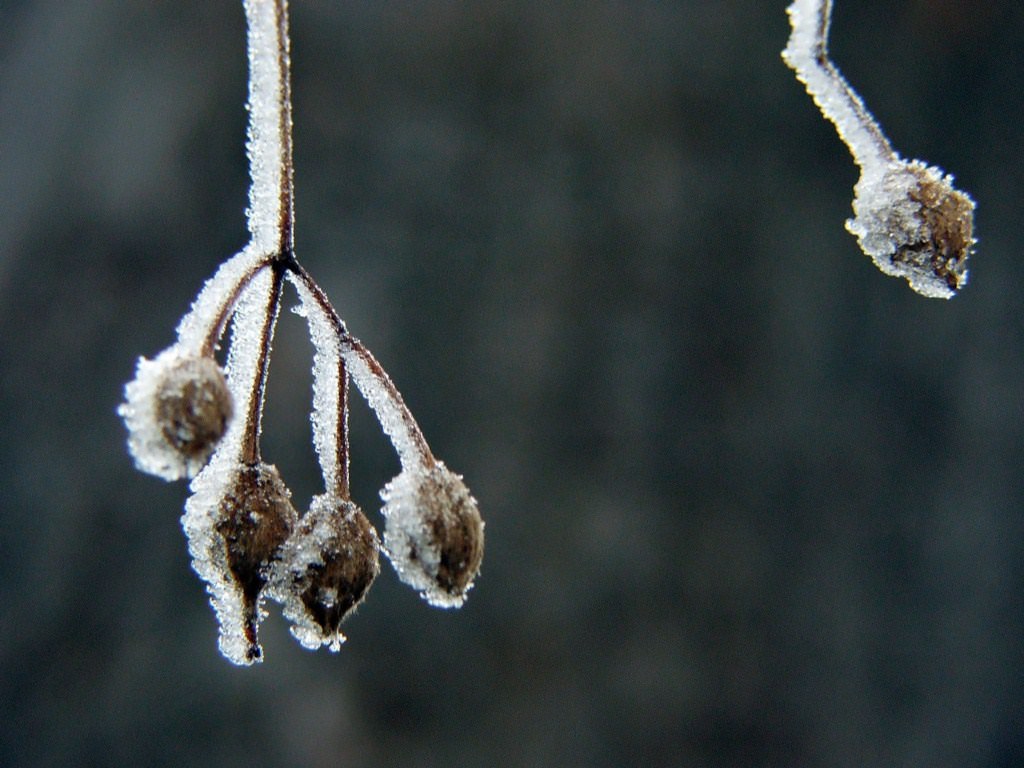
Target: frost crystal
[[434, 535], [915, 225], [204, 322], [267, 144], [327, 385], [909, 218]]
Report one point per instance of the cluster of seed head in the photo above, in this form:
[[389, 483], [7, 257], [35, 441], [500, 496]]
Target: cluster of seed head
[[247, 540], [188, 417]]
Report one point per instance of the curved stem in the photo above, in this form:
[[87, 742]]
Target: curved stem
[[227, 306], [807, 54], [373, 382]]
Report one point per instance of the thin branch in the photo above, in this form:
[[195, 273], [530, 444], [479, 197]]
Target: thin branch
[[372, 380], [807, 54], [253, 426]]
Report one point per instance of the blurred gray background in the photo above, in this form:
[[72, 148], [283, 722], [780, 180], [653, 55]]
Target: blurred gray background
[[749, 502]]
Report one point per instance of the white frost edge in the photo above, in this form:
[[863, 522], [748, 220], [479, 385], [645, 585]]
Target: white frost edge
[[326, 384], [149, 449], [212, 301]]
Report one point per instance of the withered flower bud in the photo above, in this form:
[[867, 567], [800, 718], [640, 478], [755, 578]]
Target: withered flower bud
[[434, 535], [176, 409], [254, 519], [325, 570]]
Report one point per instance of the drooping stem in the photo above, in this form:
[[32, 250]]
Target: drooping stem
[[372, 381], [286, 221], [253, 424], [220, 319], [807, 54]]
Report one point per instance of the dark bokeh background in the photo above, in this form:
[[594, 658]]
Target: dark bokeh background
[[749, 502]]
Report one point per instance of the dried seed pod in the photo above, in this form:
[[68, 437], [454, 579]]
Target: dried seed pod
[[254, 519], [193, 407], [915, 225], [433, 535], [176, 409], [325, 570]]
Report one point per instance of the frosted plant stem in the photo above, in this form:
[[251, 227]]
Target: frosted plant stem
[[286, 221], [269, 145], [272, 192], [220, 319], [254, 417], [189, 417], [807, 54], [341, 483], [373, 382], [202, 327]]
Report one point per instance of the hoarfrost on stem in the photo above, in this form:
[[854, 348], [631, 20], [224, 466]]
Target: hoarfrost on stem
[[908, 216]]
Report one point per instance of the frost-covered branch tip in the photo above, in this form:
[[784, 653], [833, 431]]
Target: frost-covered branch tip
[[188, 417], [908, 216]]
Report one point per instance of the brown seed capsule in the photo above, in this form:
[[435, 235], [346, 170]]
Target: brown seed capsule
[[326, 569], [255, 518], [434, 534], [177, 409], [947, 223], [915, 225], [193, 407]]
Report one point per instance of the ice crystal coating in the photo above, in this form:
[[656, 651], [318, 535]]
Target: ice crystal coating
[[433, 533], [269, 124], [915, 225], [325, 570], [908, 217], [236, 522], [177, 409], [243, 364], [806, 54], [371, 380], [217, 298], [327, 384]]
